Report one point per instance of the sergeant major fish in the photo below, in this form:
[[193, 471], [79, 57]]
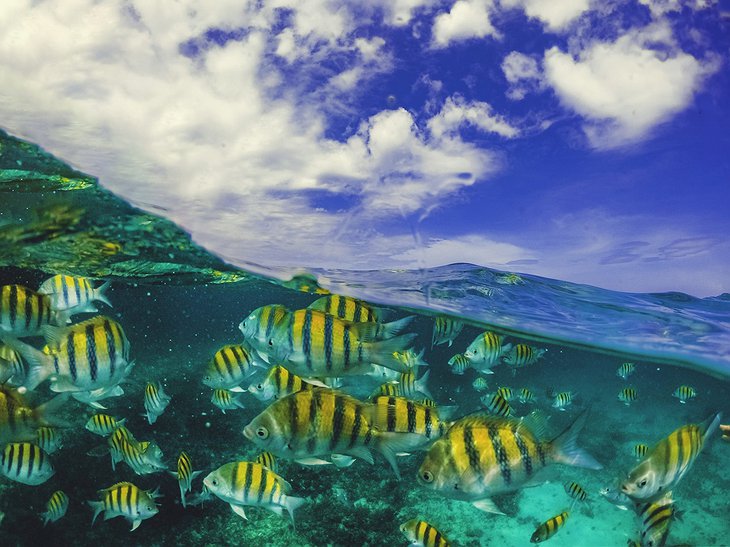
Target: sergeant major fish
[[684, 393], [226, 400], [48, 439], [421, 533], [258, 327], [549, 528], [348, 308], [24, 312], [184, 475], [26, 463], [625, 370], [279, 382], [12, 369], [56, 507], [232, 365], [522, 355], [445, 330], [103, 424], [155, 401], [124, 499], [656, 519], [401, 415], [459, 363], [74, 295], [19, 422], [486, 349]]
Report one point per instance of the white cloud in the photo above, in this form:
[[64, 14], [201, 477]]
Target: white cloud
[[523, 74], [627, 87], [458, 112], [475, 249], [556, 15], [659, 8], [466, 19], [400, 12]]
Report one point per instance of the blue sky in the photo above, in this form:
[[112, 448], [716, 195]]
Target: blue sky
[[576, 139]]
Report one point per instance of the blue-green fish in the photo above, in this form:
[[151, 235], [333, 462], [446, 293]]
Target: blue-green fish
[[445, 330], [56, 507]]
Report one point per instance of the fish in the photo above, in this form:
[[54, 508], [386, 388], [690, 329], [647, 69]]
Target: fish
[[480, 384], [103, 424], [459, 363], [522, 355], [481, 456], [87, 356], [656, 519], [346, 307], [412, 388], [496, 404], [684, 393], [24, 312], [563, 399], [74, 295], [308, 424], [26, 463], [421, 533], [626, 370], [401, 415], [12, 368], [616, 497], [124, 499], [231, 366], [668, 461], [628, 395], [507, 393], [56, 507], [313, 343], [225, 400], [184, 475], [526, 396], [249, 483], [445, 330], [389, 389], [640, 450], [279, 382], [258, 327], [268, 460], [48, 439], [143, 457], [428, 402], [578, 494], [549, 528], [384, 374], [485, 350], [93, 397], [19, 422], [155, 401], [410, 358]]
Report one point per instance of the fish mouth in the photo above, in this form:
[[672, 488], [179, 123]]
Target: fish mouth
[[248, 432]]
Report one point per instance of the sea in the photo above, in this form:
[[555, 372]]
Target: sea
[[178, 305]]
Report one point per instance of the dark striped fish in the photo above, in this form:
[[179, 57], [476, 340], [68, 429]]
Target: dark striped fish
[[24, 312], [124, 499], [419, 532], [226, 400], [268, 460], [459, 363], [56, 507], [445, 330], [626, 370], [507, 393], [87, 356], [155, 401], [73, 294], [249, 483], [669, 461], [684, 393], [480, 384], [627, 395], [103, 424], [184, 475], [19, 422], [412, 388], [522, 355], [26, 463], [143, 457], [578, 493], [309, 424], [481, 456], [48, 439], [410, 358], [549, 528], [526, 396], [640, 450], [497, 405], [12, 369], [232, 365], [314, 343], [348, 308], [279, 382], [563, 400], [401, 415], [258, 327], [656, 519], [485, 351], [389, 389]]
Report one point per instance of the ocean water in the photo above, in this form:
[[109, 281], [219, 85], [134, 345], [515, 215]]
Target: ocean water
[[178, 307]]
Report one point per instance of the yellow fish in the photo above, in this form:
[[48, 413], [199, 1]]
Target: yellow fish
[[419, 532], [549, 528]]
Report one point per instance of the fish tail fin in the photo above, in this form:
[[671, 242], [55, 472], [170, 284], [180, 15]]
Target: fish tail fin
[[98, 507], [381, 352], [47, 413], [421, 386], [565, 449], [40, 365], [370, 331], [292, 504], [100, 293]]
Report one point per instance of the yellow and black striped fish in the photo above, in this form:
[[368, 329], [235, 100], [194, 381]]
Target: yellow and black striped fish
[[258, 327], [226, 400], [48, 439], [314, 343], [124, 499], [578, 493], [480, 384], [428, 402], [627, 395], [626, 370], [185, 475], [419, 532], [389, 389], [73, 294], [26, 463], [250, 483], [684, 393], [230, 366], [640, 450], [481, 456], [12, 369], [103, 424], [348, 308], [656, 519], [563, 399], [268, 460], [411, 387], [522, 355], [497, 405], [56, 507], [155, 401], [526, 396], [669, 461], [143, 457], [445, 329], [410, 358], [279, 382], [401, 415], [549, 528], [87, 356], [459, 363], [507, 393], [485, 350], [24, 312], [320, 422], [19, 422]]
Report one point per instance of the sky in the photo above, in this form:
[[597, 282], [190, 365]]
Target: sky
[[581, 140]]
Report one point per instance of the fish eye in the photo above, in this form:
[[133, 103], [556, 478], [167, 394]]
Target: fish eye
[[214, 482], [260, 387], [271, 342], [642, 484], [262, 432], [427, 476]]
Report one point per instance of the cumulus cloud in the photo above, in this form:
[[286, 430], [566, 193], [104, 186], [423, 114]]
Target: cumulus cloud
[[556, 15], [627, 87], [457, 112], [523, 74], [465, 20]]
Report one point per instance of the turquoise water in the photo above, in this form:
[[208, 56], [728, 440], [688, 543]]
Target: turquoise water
[[174, 330]]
